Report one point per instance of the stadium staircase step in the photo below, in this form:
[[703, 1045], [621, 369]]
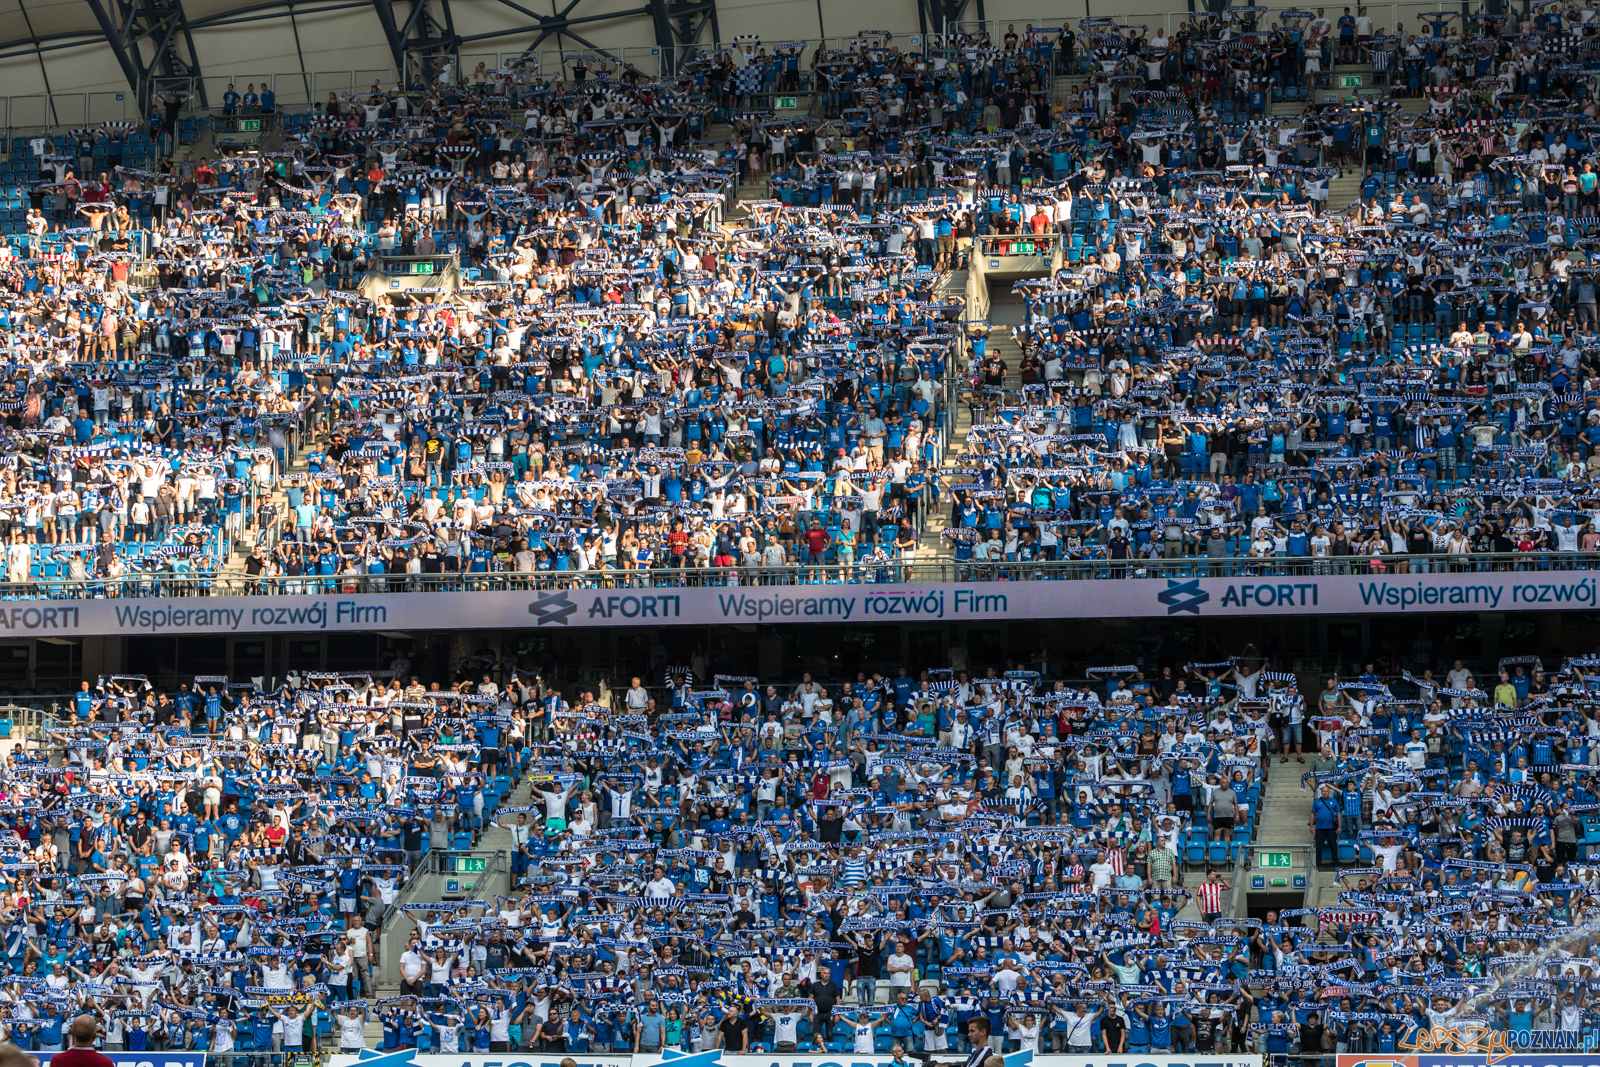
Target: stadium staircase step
[[1285, 810], [1003, 344], [204, 145], [1283, 820], [239, 548], [1067, 89], [425, 890], [951, 283], [1345, 189], [1325, 889]]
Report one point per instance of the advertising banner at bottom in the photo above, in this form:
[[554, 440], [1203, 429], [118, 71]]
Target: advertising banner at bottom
[[1510, 1050], [790, 1059]]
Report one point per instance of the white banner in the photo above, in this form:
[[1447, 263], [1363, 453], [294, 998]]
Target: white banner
[[1112, 598]]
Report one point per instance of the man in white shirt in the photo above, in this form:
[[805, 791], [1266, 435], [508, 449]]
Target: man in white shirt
[[1389, 853], [1063, 214], [500, 1027], [660, 887], [1102, 871], [786, 1028], [554, 795], [352, 1027], [900, 968], [361, 950], [19, 561], [413, 971], [1006, 979], [288, 1033], [1416, 751], [1079, 1030]]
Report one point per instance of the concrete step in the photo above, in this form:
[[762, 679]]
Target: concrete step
[[1324, 889], [239, 550], [426, 889], [1285, 810], [952, 283]]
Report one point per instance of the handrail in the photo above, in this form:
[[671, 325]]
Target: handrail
[[432, 865], [940, 569], [1013, 244]]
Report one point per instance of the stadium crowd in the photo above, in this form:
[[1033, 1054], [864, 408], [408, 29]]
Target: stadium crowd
[[929, 862], [208, 869], [631, 378], [638, 375]]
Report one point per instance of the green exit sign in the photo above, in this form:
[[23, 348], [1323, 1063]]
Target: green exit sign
[[787, 103], [1274, 859], [422, 268], [249, 125], [471, 864], [1349, 81]]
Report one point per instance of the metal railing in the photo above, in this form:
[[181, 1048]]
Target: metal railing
[[436, 863], [940, 570], [1018, 244]]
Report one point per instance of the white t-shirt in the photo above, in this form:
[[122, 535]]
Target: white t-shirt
[[555, 802], [1027, 1037], [412, 965], [276, 975], [1102, 874], [786, 1027], [1389, 854], [901, 979], [352, 1031], [293, 1029]]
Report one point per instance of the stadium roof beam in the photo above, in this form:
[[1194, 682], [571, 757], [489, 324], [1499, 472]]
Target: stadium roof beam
[[165, 25], [934, 16], [679, 23], [428, 33], [391, 33], [676, 22], [117, 41], [557, 25], [252, 12]]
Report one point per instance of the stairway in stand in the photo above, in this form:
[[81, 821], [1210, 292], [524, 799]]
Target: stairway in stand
[[1001, 343]]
